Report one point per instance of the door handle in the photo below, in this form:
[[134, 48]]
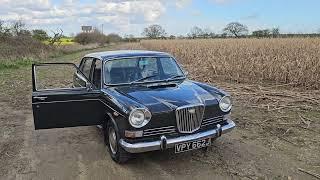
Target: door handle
[[41, 98]]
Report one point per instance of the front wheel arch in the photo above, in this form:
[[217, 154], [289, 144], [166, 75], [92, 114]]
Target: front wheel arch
[[121, 156]]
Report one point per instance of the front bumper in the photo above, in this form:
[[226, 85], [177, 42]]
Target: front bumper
[[164, 143]]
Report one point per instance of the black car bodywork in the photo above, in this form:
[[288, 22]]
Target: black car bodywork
[[91, 102]]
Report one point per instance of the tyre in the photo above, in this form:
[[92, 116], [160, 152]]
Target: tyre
[[111, 139]]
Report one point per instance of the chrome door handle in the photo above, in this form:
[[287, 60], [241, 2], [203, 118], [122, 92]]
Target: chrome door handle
[[41, 98]]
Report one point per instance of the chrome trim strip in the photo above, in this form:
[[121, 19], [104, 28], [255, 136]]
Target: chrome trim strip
[[210, 123], [160, 133], [215, 120], [209, 119], [159, 128], [76, 100], [170, 143]]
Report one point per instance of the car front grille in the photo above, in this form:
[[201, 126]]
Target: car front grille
[[159, 131], [189, 118], [172, 130], [212, 121]]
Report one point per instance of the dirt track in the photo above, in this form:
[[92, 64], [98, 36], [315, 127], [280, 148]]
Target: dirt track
[[256, 149], [79, 153]]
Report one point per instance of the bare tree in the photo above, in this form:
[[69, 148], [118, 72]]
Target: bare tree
[[236, 29], [275, 32], [4, 30], [208, 33], [56, 37], [154, 31], [40, 34], [129, 38], [262, 33], [195, 32], [18, 28]]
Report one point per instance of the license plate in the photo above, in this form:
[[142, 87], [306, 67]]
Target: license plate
[[187, 146]]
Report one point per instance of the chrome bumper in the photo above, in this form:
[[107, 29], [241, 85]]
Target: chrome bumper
[[164, 143]]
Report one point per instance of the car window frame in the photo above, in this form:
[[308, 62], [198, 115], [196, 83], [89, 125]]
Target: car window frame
[[82, 65], [34, 78], [92, 71]]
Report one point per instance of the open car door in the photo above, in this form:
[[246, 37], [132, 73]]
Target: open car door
[[57, 103]]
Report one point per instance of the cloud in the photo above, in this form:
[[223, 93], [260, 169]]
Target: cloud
[[36, 5], [126, 16], [182, 3], [116, 14]]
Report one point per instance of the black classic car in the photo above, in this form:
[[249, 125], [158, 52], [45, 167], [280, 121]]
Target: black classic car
[[142, 100]]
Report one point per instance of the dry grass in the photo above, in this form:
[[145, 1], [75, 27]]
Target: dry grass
[[23, 51], [16, 48], [293, 61]]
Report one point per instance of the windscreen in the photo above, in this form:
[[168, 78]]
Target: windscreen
[[141, 69]]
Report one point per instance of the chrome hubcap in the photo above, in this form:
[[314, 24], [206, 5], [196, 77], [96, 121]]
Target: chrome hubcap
[[112, 140]]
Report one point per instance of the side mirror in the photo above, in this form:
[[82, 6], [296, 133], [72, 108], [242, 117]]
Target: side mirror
[[186, 73]]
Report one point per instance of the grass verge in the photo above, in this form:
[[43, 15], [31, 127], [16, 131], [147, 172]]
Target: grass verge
[[15, 76]]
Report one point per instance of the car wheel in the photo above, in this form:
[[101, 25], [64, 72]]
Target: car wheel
[[111, 137]]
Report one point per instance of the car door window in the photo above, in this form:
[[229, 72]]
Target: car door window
[[86, 67], [54, 76], [96, 73]]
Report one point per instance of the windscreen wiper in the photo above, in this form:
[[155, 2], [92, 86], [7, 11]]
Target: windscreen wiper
[[144, 78], [174, 77]]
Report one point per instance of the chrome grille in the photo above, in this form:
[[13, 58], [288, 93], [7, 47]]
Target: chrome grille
[[159, 131], [189, 118], [211, 121]]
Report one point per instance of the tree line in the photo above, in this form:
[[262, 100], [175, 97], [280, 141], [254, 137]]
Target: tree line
[[233, 29], [96, 36], [17, 30]]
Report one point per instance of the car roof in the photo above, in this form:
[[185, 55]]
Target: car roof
[[107, 55]]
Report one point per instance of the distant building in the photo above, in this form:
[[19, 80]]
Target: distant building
[[86, 29]]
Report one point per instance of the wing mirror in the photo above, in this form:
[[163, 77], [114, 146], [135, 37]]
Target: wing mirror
[[186, 73]]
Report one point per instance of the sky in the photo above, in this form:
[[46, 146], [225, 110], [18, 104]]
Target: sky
[[176, 16]]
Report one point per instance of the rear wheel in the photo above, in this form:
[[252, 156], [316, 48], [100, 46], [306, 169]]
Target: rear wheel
[[111, 137]]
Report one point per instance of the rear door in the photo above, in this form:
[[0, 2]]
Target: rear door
[[57, 103]]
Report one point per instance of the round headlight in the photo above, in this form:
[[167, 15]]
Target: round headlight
[[139, 117], [225, 104]]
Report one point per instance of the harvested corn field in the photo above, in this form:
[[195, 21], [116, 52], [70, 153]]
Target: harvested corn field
[[293, 61]]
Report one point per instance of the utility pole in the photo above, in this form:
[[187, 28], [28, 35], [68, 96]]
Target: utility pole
[[102, 28]]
